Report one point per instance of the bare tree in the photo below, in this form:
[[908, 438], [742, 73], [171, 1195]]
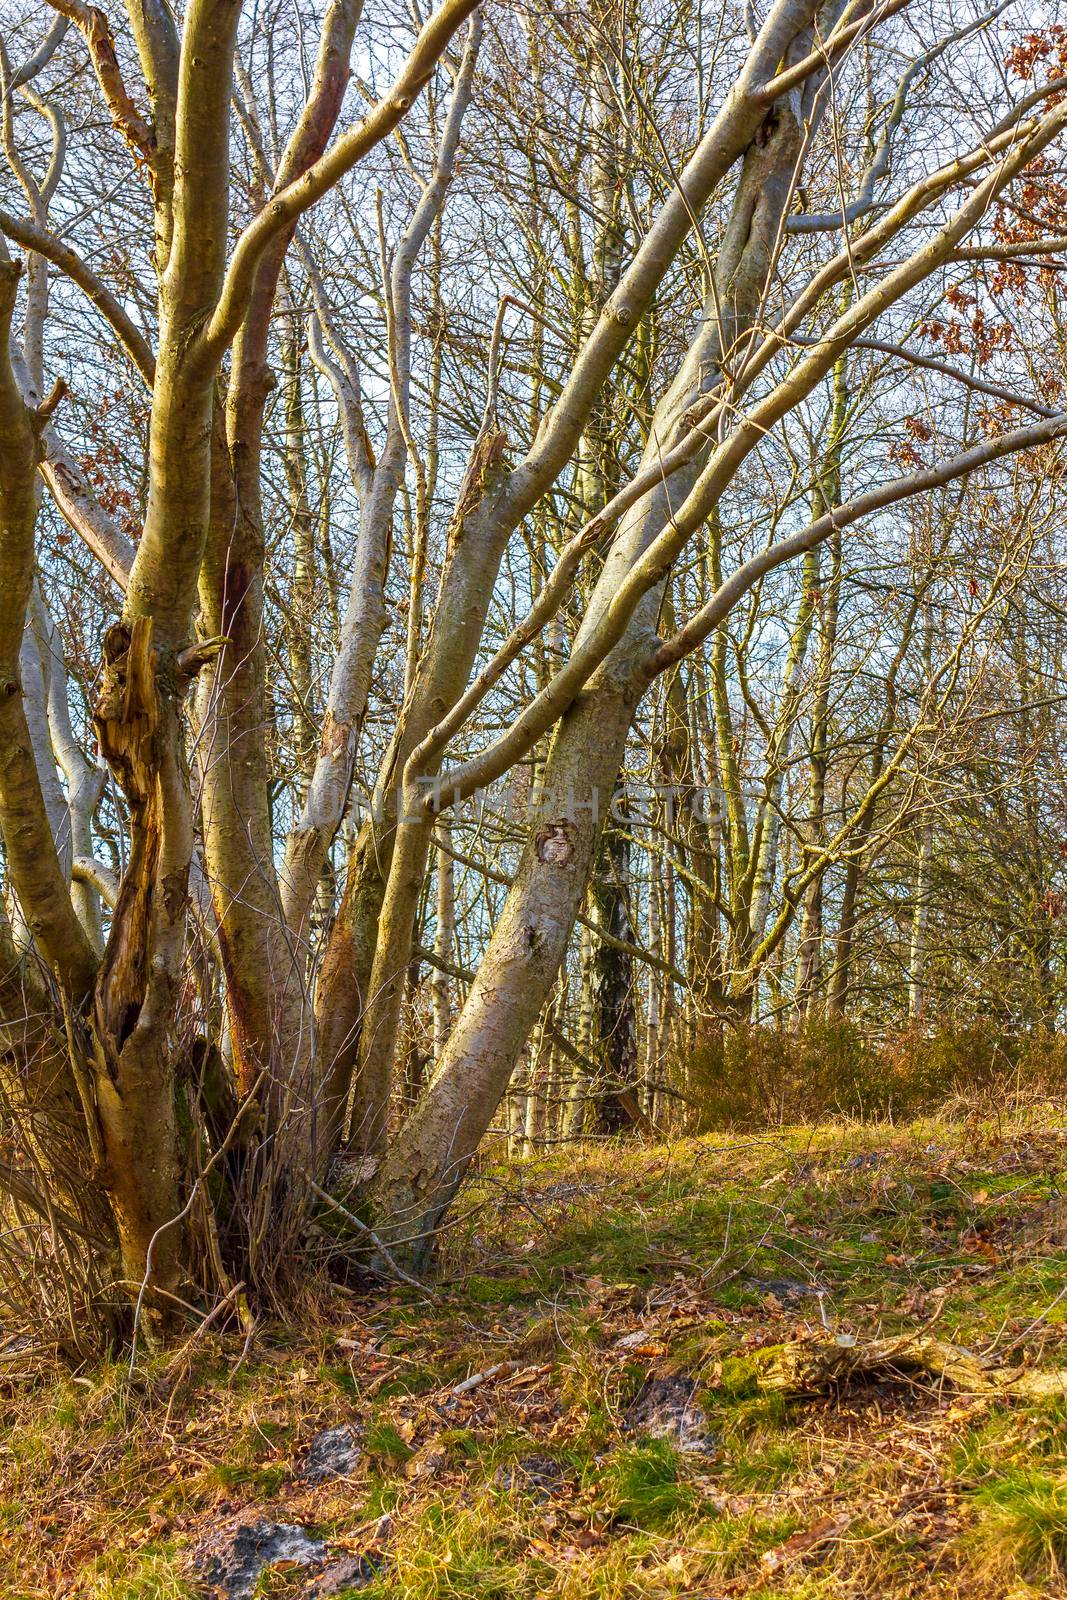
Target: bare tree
[[582, 373]]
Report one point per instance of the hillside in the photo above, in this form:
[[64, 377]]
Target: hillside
[[812, 1364]]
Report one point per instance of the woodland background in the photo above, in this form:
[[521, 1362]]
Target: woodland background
[[321, 402]]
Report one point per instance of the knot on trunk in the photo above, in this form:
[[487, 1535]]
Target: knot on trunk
[[555, 843], [126, 713]]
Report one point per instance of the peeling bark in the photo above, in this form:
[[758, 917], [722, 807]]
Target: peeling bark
[[135, 989]]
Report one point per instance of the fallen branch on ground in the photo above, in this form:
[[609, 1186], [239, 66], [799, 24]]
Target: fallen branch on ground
[[805, 1368]]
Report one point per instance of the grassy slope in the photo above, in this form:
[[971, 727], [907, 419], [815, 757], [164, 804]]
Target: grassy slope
[[590, 1271]]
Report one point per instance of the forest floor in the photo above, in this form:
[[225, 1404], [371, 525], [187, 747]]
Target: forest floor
[[618, 1389]]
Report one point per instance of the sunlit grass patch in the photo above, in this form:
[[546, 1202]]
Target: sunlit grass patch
[[762, 1466], [645, 1486], [460, 1551], [1022, 1523], [584, 1276], [1013, 1471], [385, 1445], [152, 1574]]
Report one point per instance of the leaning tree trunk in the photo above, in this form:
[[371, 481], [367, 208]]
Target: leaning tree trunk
[[421, 1171], [359, 988]]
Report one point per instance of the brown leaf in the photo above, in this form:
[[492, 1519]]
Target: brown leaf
[[825, 1531], [429, 1461]]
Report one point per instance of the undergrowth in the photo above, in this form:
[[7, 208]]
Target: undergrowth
[[575, 1287], [751, 1077]]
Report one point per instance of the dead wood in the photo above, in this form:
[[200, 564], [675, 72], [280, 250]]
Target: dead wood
[[806, 1368]]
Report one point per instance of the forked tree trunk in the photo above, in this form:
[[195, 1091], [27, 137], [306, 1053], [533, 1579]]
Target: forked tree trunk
[[421, 1171], [358, 994]]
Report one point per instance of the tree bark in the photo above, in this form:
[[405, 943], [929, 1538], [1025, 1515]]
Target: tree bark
[[422, 1169]]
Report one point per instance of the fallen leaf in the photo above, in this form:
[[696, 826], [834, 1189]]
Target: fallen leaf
[[825, 1531], [776, 1177], [429, 1461]]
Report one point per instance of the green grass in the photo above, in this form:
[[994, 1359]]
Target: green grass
[[645, 1487], [151, 1575], [464, 1552], [1022, 1522], [1013, 1470]]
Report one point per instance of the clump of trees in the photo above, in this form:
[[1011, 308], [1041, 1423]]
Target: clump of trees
[[526, 537]]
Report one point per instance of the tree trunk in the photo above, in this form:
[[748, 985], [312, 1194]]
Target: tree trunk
[[614, 1011], [420, 1173]]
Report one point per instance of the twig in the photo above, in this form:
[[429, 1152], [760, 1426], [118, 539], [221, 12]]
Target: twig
[[483, 1377], [349, 1216]]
